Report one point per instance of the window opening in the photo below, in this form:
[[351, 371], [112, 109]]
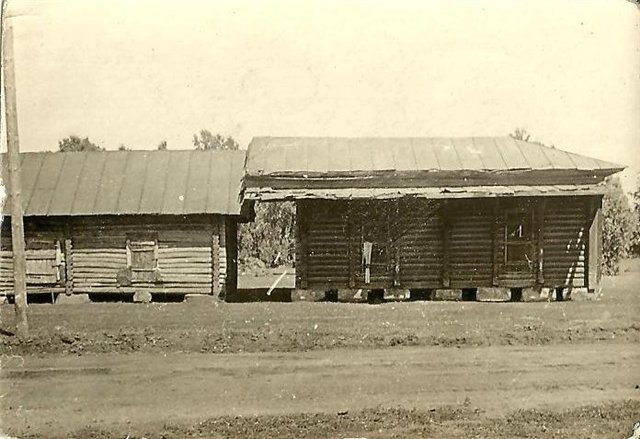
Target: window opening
[[519, 249]]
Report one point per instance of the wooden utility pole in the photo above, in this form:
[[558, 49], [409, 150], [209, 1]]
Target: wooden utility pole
[[15, 184]]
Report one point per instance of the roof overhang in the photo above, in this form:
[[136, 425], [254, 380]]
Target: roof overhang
[[274, 194]]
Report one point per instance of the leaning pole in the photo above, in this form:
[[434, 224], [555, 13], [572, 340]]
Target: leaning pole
[[15, 195]]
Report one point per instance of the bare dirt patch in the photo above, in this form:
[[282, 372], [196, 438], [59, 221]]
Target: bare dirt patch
[[145, 394]]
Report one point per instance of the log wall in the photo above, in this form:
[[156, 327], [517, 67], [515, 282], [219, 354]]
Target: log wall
[[439, 244], [44, 243], [190, 254], [505, 276], [417, 238], [471, 254], [566, 226], [326, 243]]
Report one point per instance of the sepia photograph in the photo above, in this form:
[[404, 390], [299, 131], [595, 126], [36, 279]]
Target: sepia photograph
[[290, 219]]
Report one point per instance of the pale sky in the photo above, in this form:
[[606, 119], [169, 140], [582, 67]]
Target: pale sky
[[138, 72]]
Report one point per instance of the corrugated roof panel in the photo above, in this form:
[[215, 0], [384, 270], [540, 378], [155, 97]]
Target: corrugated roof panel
[[174, 195], [424, 154], [65, 192], [263, 152], [447, 154], [219, 177], [381, 155], [30, 165], [133, 182], [468, 154], [128, 182], [88, 183], [534, 155], [275, 159], [318, 161], [268, 159], [156, 181], [339, 156], [491, 157], [511, 153], [582, 162], [234, 183], [560, 159], [403, 157], [295, 158], [111, 183], [195, 197], [361, 156], [45, 184]]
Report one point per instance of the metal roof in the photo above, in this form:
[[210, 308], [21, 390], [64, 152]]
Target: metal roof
[[271, 194], [169, 182], [327, 156]]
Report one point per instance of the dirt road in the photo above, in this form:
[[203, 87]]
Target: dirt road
[[53, 395]]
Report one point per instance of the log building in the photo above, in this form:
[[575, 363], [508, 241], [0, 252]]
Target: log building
[[120, 222], [435, 213]]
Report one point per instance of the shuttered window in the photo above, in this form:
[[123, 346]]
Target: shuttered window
[[142, 258], [519, 249], [44, 262]]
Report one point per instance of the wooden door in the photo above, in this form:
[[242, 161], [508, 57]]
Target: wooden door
[[375, 249], [519, 257]]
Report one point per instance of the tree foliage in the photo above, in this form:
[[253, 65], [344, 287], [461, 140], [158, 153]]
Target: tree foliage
[[162, 146], [520, 134], [206, 140], [634, 246], [269, 240], [617, 226], [75, 144], [524, 135]]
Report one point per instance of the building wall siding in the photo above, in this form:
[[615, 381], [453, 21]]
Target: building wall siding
[[330, 240], [471, 254], [566, 226], [185, 254]]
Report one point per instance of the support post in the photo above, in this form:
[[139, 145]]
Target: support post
[[354, 243], [540, 241], [446, 245], [68, 267], [496, 243], [594, 250], [231, 243], [301, 244], [15, 195], [215, 258]]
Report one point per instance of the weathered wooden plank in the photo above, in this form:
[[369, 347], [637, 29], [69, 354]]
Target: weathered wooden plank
[[186, 251], [187, 271], [594, 253], [446, 246], [184, 262], [301, 239], [100, 251], [104, 266]]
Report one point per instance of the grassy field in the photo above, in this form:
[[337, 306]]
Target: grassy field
[[605, 421], [207, 326], [311, 370]]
